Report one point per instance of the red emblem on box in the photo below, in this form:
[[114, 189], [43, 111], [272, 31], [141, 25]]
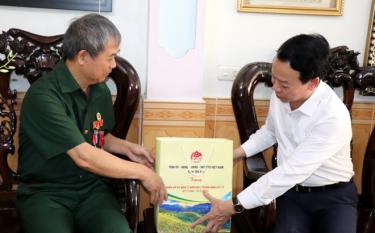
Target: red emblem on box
[[196, 156]]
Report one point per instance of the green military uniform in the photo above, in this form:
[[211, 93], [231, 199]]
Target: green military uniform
[[54, 194]]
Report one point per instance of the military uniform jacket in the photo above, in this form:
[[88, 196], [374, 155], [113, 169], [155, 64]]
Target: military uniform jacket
[[56, 115]]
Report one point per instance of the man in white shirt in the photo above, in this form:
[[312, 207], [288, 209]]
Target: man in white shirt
[[312, 126]]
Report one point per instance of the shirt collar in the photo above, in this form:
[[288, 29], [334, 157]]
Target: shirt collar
[[65, 78], [68, 84], [311, 104]]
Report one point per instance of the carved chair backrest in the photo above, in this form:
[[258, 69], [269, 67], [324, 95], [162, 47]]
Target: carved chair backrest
[[31, 56], [243, 103]]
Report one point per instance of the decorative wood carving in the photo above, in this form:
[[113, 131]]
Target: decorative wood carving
[[342, 66], [365, 80], [36, 55]]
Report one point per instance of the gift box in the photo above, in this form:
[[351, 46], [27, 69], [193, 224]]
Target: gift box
[[188, 166]]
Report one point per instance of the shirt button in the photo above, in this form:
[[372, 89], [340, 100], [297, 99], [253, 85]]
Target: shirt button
[[80, 176], [85, 131]]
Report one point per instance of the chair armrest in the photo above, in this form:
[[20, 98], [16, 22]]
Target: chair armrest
[[127, 194], [248, 78], [132, 202]]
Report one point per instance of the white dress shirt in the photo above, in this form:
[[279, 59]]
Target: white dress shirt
[[313, 146]]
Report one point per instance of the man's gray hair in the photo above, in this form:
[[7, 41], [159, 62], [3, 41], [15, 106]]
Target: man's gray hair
[[91, 33]]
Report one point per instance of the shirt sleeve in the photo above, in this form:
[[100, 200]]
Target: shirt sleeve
[[47, 125], [325, 139]]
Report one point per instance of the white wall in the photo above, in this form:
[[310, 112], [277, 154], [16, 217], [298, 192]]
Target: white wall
[[237, 38], [231, 38], [130, 16]]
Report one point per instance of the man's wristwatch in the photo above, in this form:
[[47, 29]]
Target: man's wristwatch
[[237, 205]]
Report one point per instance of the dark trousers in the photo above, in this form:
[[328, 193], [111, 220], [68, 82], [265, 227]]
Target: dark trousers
[[329, 211]]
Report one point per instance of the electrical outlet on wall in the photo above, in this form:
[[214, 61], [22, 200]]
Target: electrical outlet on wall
[[227, 73]]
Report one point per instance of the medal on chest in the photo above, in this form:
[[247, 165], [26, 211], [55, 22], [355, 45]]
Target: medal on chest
[[98, 135]]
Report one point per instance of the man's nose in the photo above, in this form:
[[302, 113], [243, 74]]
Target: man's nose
[[113, 64], [275, 87]]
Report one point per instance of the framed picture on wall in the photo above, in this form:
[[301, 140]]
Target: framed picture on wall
[[370, 42], [309, 7], [84, 5]]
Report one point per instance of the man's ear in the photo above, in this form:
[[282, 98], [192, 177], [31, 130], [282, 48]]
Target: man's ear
[[82, 56], [314, 83]]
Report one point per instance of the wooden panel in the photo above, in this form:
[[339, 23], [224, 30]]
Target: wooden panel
[[169, 112], [361, 133], [134, 131], [362, 113], [170, 119], [13, 159], [363, 120], [220, 123]]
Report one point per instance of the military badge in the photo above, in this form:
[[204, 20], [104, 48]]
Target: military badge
[[98, 135]]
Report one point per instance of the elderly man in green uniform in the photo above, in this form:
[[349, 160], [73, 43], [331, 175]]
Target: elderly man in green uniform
[[65, 118]]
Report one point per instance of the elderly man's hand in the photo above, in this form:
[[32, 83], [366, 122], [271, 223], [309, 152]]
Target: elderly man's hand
[[155, 186], [220, 212], [139, 154]]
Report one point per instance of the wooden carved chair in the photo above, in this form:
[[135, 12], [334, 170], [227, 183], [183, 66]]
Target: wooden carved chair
[[365, 80], [343, 65], [32, 55], [258, 219]]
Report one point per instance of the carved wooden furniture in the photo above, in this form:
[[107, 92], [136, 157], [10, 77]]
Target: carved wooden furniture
[[365, 81], [249, 77], [36, 55], [366, 207], [342, 67]]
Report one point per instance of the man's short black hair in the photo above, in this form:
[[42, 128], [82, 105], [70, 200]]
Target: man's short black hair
[[307, 54]]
